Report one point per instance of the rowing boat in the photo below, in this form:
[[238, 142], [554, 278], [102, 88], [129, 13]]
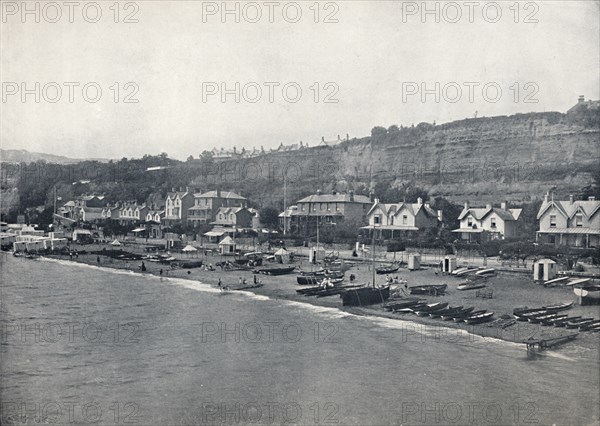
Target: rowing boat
[[470, 286], [365, 296], [461, 317], [563, 321], [576, 323], [428, 289], [486, 272], [425, 310], [450, 310], [579, 281], [556, 281], [478, 319], [451, 316]]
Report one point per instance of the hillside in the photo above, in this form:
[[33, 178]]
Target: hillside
[[24, 156]]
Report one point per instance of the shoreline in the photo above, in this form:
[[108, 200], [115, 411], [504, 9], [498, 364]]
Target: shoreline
[[283, 287]]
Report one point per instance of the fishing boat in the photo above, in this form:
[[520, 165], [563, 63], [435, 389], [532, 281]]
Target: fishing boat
[[552, 318], [410, 309], [306, 279], [466, 272], [449, 310], [556, 281], [589, 294], [390, 269], [365, 296], [561, 322], [451, 315], [486, 272], [462, 316], [433, 289], [458, 271], [282, 270], [576, 323], [470, 286], [589, 325], [335, 290], [579, 281], [560, 307], [539, 319], [425, 310], [403, 304], [480, 318]]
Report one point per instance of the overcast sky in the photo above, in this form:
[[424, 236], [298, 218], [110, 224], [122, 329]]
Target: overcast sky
[[375, 57]]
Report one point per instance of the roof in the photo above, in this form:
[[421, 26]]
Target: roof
[[227, 210], [413, 208], [336, 198], [581, 231], [227, 241], [224, 194], [214, 233], [588, 207], [392, 227], [181, 194], [469, 230], [481, 213]]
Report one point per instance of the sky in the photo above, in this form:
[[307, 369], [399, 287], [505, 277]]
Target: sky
[[98, 81]]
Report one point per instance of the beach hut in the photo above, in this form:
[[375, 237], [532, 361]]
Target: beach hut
[[449, 264], [544, 270], [189, 249], [282, 256], [115, 243], [414, 261], [227, 246]]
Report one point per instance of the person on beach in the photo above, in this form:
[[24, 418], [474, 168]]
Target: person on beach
[[143, 267], [220, 284], [245, 282], [161, 272], [241, 282], [254, 279], [98, 259]]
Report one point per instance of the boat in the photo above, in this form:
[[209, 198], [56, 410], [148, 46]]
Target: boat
[[466, 272], [403, 304], [589, 325], [548, 343], [561, 322], [433, 289], [576, 323], [579, 281], [480, 318], [18, 254], [282, 270], [390, 269], [335, 290], [449, 310], [556, 281], [486, 272], [410, 309], [589, 294], [459, 270], [561, 307], [540, 318], [365, 296], [306, 279], [425, 310], [460, 317], [451, 315], [552, 318], [470, 286]]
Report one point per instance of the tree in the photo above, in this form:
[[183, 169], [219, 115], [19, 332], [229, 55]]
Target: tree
[[378, 131], [190, 159], [269, 216], [393, 129]]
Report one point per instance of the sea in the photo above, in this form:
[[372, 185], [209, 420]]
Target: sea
[[83, 344]]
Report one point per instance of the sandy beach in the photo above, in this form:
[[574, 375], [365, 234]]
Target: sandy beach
[[509, 290]]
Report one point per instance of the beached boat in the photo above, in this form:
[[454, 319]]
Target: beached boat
[[548, 343], [460, 317], [538, 319], [561, 322], [305, 279], [552, 318], [365, 296], [425, 310], [466, 272], [410, 309], [589, 325], [450, 316], [480, 318], [579, 281], [445, 311], [556, 281], [576, 323], [486, 272], [589, 293], [470, 286], [282, 270], [390, 269], [390, 306], [335, 290], [18, 254], [458, 271], [433, 289]]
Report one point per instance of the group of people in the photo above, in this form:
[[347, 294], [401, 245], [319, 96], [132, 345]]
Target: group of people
[[243, 283], [392, 280]]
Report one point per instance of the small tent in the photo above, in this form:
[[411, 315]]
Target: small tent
[[189, 249], [115, 243], [282, 256]]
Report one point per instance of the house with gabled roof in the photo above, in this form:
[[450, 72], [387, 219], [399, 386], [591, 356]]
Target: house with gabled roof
[[574, 223], [206, 204], [402, 219], [489, 222], [234, 217], [177, 205]]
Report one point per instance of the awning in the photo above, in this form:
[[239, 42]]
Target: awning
[[469, 230], [214, 233], [579, 231], [139, 229], [189, 248], [392, 228]]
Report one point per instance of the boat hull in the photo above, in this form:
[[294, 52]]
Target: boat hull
[[365, 296]]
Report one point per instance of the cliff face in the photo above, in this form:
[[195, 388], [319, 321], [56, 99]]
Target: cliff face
[[517, 158]]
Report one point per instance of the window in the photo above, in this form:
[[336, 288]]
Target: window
[[321, 206], [469, 221], [493, 221], [552, 221], [552, 239], [404, 219], [377, 219], [579, 220]]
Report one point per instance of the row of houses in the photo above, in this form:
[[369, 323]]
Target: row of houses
[[572, 222]]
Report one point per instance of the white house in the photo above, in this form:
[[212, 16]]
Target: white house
[[405, 218], [488, 222]]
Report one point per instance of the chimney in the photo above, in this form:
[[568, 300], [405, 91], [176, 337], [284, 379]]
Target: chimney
[[427, 205], [318, 192], [440, 215], [187, 189], [488, 206], [172, 189], [546, 197], [571, 199], [347, 136], [419, 201], [218, 193], [351, 196], [466, 205], [503, 205], [592, 198], [334, 192], [376, 200], [581, 99]]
